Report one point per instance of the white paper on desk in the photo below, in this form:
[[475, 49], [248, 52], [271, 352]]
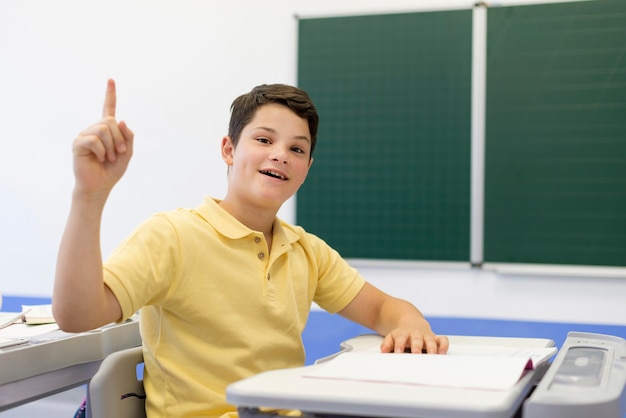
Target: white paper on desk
[[9, 318], [537, 355], [27, 331], [458, 371]]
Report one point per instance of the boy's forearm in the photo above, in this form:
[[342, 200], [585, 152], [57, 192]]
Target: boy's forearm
[[397, 312], [383, 313], [79, 289]]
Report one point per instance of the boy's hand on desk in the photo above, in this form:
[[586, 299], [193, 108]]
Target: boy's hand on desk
[[402, 324], [103, 150], [416, 338]]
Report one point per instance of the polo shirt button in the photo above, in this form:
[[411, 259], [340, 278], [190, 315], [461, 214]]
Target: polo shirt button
[[257, 239], [261, 256]]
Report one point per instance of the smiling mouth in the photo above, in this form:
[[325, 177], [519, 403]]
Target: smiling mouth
[[273, 174]]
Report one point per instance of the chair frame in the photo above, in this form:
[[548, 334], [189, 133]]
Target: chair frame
[[115, 390]]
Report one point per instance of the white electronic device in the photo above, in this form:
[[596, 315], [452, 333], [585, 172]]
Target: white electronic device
[[586, 379]]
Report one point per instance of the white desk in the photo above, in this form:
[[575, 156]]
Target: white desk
[[287, 389], [60, 361]]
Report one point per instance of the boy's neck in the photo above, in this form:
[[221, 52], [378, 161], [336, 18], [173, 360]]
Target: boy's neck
[[255, 218]]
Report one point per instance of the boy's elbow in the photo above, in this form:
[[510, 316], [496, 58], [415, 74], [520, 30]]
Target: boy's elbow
[[69, 326], [62, 318], [68, 320]]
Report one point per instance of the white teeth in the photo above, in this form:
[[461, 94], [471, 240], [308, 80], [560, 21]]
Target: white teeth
[[275, 174]]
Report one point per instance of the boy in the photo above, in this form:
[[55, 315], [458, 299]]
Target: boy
[[224, 290]]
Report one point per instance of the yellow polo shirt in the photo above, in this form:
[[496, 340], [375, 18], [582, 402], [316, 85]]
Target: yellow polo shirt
[[216, 307]]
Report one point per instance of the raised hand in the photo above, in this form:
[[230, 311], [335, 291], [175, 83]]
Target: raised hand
[[102, 151]]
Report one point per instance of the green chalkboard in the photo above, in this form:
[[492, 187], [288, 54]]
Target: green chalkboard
[[391, 171], [555, 188]]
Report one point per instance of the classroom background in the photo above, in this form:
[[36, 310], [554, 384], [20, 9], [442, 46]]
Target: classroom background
[[178, 66]]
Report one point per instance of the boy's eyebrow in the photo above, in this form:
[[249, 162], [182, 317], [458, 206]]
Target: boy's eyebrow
[[273, 131]]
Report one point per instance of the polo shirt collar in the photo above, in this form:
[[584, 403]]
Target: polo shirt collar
[[227, 225]]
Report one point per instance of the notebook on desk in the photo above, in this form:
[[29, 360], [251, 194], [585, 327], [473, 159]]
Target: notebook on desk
[[465, 367], [360, 384]]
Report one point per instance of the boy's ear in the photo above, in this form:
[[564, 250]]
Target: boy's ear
[[227, 150]]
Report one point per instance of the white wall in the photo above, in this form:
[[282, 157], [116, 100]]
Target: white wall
[[178, 65]]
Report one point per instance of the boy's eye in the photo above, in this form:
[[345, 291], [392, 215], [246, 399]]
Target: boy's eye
[[297, 149], [263, 140]]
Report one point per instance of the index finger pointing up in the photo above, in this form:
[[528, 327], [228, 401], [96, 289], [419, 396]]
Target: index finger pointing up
[[109, 100]]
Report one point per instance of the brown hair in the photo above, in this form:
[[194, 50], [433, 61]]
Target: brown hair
[[244, 107]]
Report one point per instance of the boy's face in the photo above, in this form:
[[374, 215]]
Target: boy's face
[[272, 157]]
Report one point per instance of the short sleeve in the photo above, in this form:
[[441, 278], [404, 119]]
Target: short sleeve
[[338, 283], [143, 268]]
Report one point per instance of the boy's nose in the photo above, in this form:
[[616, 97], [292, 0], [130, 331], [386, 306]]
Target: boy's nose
[[280, 156]]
